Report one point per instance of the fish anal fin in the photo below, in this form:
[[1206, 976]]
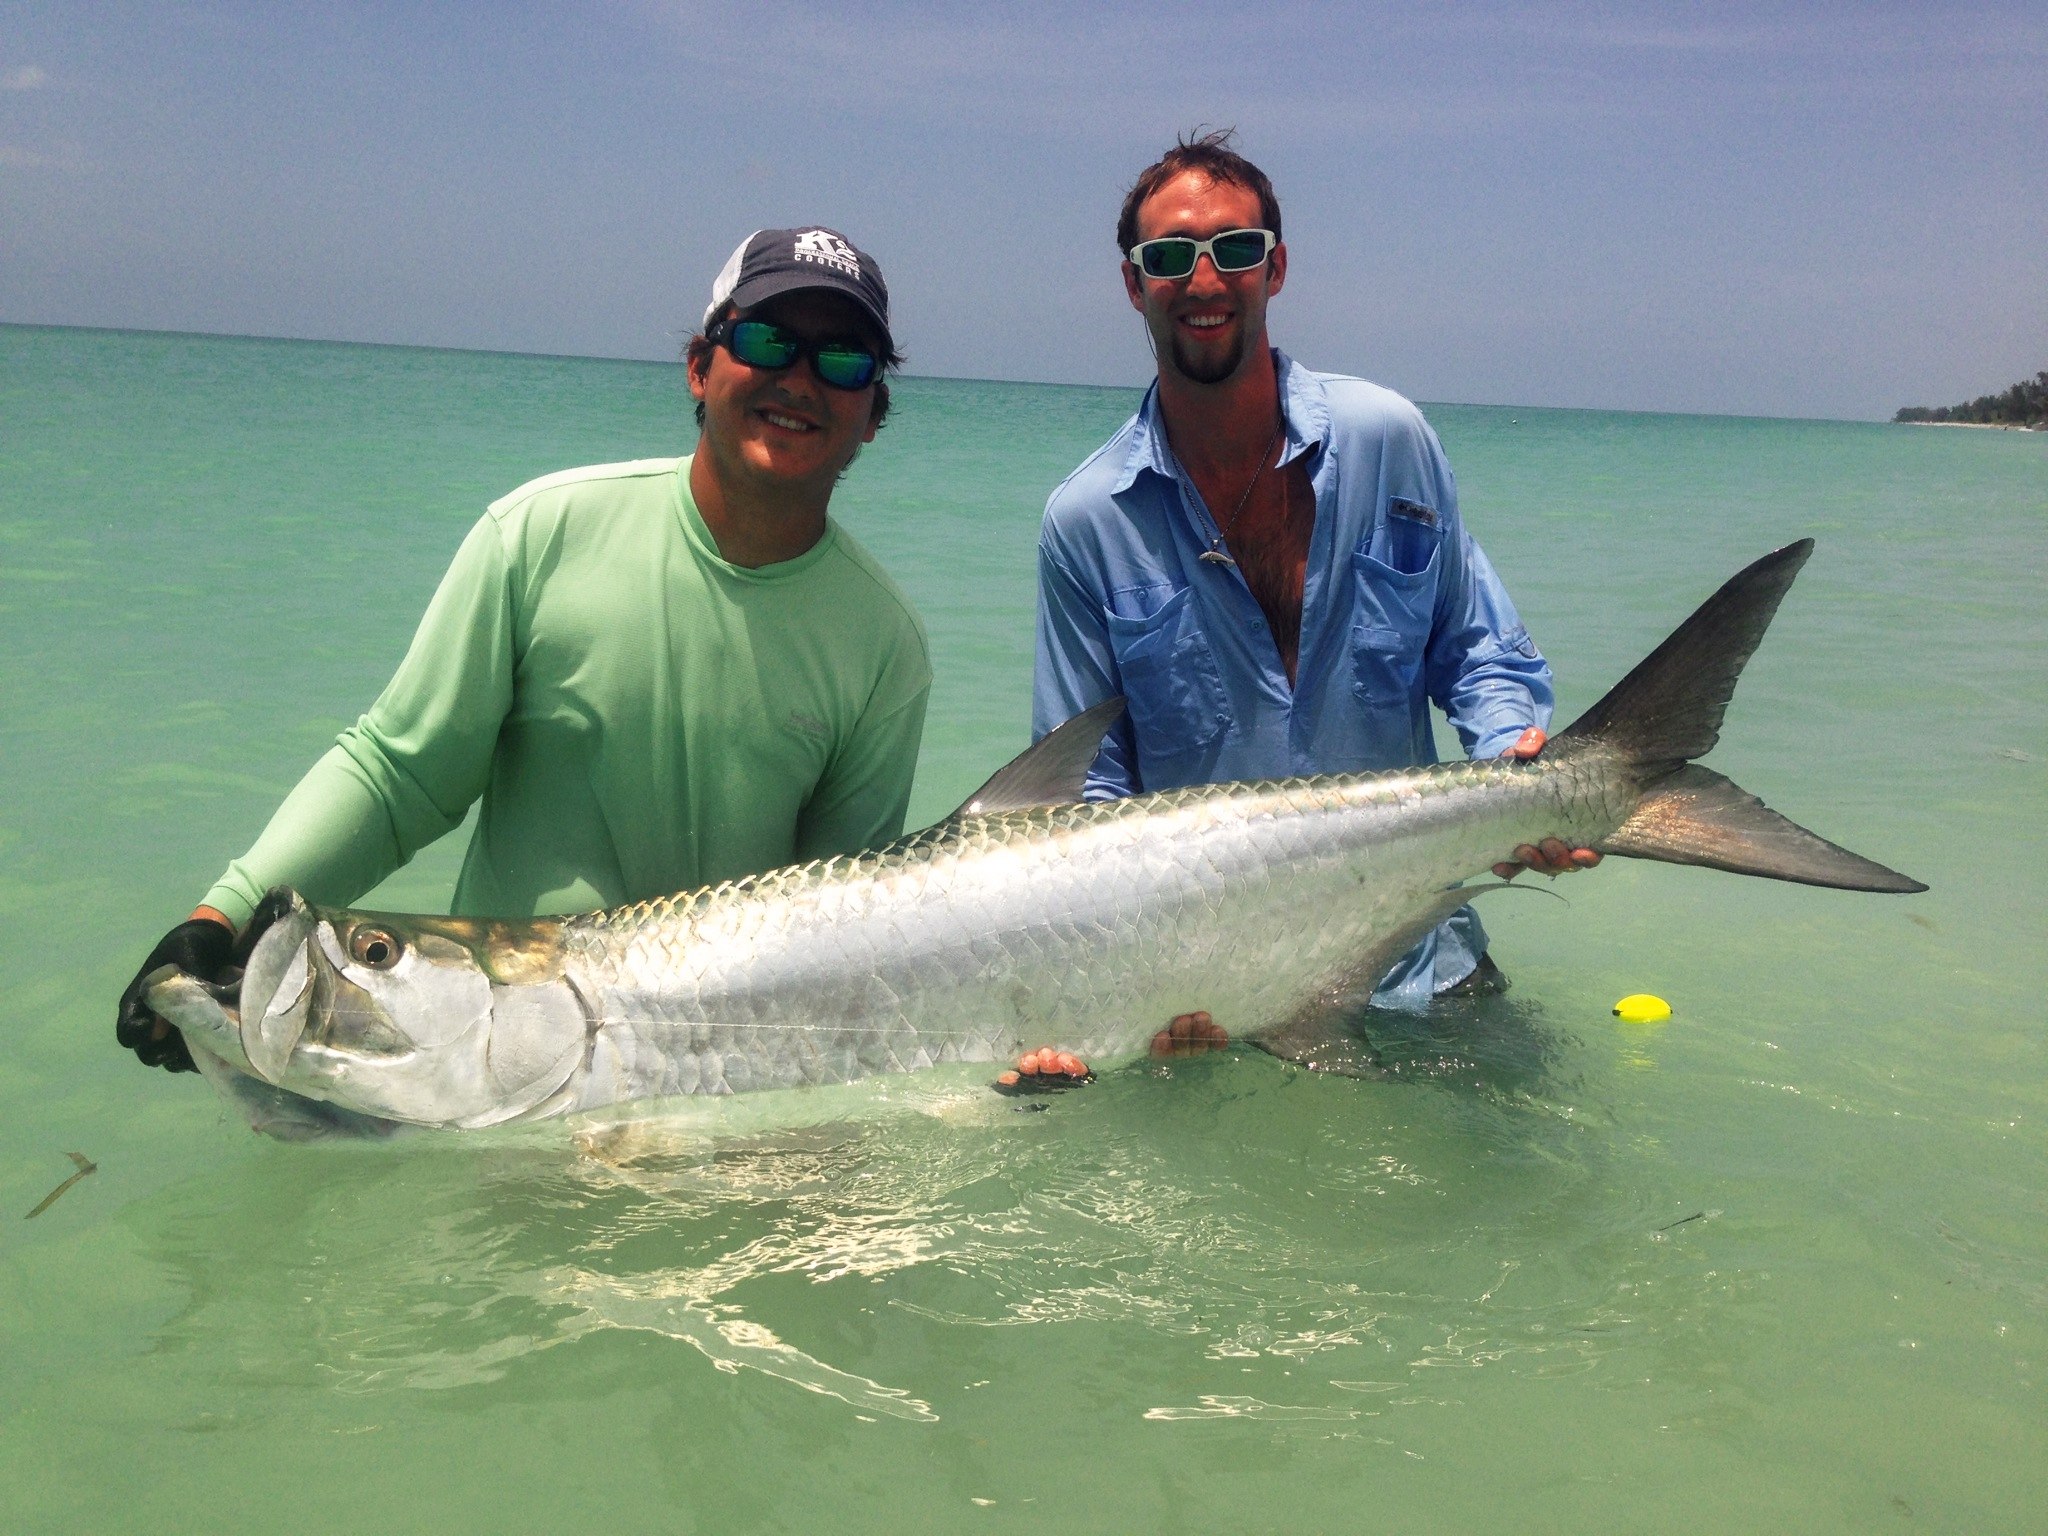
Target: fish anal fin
[[1323, 1042], [1051, 770], [1696, 816], [1318, 1037], [1365, 969]]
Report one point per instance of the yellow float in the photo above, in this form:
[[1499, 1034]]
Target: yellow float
[[1642, 1008]]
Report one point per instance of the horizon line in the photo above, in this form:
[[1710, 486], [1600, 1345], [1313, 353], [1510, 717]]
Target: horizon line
[[942, 378]]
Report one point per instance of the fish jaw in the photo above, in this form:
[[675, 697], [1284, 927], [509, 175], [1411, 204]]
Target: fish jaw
[[206, 1015]]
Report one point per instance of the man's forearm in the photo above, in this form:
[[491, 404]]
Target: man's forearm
[[331, 839]]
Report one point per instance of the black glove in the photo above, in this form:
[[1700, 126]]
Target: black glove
[[200, 948]]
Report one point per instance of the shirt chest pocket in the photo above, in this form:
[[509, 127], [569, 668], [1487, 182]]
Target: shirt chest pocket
[[1170, 680], [1390, 632]]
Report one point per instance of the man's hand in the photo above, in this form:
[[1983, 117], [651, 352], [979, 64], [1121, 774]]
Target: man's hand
[[1042, 1070], [1190, 1034], [201, 946], [1552, 856]]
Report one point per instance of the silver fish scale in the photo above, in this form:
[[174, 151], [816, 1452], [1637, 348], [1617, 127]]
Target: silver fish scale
[[1082, 926]]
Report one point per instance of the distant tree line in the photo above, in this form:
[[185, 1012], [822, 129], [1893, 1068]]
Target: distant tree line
[[2024, 405]]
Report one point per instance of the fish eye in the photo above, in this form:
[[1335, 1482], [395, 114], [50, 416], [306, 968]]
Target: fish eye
[[378, 948]]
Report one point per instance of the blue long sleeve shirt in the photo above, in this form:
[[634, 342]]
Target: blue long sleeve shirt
[[1400, 608]]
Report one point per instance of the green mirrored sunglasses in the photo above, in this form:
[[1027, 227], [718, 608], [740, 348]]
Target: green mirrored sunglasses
[[759, 344]]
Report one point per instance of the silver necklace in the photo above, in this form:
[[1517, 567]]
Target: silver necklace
[[1214, 554]]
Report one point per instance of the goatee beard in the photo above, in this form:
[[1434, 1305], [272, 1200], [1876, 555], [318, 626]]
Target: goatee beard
[[1207, 371]]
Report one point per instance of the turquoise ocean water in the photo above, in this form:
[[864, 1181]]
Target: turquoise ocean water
[[1781, 1263]]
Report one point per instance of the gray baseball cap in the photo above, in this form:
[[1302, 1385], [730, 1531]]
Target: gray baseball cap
[[771, 262]]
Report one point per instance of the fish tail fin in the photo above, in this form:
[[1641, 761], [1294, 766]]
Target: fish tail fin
[[1695, 816], [1668, 711]]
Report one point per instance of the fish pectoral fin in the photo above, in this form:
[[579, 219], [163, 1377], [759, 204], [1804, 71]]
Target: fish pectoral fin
[[283, 1115], [1471, 892], [1051, 770]]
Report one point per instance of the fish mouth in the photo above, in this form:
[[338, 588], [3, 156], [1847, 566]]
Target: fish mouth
[[205, 1011], [252, 1015]]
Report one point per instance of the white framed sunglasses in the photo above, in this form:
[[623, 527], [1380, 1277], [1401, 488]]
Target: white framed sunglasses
[[1234, 250]]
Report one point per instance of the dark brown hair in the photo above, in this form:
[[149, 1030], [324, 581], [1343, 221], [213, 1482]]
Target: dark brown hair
[[1211, 154], [697, 353]]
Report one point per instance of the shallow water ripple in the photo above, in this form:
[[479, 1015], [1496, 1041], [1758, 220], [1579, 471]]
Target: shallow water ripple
[[1777, 1264]]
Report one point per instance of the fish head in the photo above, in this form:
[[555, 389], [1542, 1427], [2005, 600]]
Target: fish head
[[429, 1021]]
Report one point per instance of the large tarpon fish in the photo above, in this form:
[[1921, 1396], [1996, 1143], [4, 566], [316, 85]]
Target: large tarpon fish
[[1025, 919]]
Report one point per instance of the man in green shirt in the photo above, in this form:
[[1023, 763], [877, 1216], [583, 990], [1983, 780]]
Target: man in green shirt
[[655, 675]]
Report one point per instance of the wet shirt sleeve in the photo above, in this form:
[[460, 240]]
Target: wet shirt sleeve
[[1076, 670], [1483, 670], [407, 772], [1480, 666]]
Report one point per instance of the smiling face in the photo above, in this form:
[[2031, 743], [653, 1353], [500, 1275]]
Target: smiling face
[[1206, 325], [785, 431]]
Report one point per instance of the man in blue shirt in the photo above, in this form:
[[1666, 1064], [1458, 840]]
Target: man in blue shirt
[[1268, 563]]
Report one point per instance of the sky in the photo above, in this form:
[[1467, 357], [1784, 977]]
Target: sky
[[1823, 211]]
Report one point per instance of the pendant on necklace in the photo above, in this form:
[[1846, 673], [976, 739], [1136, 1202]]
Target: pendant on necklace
[[1214, 554]]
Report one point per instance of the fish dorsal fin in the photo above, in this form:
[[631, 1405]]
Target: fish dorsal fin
[[1050, 770]]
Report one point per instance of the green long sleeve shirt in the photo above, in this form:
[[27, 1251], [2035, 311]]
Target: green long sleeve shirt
[[638, 716]]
